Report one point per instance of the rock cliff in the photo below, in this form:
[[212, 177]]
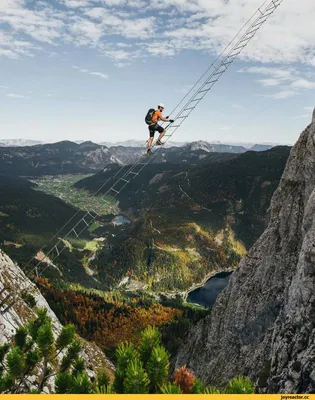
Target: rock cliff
[[263, 323], [12, 279]]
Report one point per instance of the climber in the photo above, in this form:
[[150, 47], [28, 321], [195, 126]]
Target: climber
[[152, 119]]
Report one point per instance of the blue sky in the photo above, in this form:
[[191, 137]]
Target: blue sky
[[89, 69]]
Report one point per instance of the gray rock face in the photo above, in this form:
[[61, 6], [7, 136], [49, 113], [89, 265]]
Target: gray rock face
[[263, 324]]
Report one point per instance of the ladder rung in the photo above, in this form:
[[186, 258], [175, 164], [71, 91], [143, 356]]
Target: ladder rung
[[95, 213], [240, 47], [261, 22], [214, 81], [271, 8], [174, 126], [57, 250], [218, 73], [134, 173], [203, 91], [190, 108], [230, 56], [85, 222], [199, 98], [247, 39], [125, 180], [230, 62], [89, 213], [74, 231], [253, 31], [184, 116], [114, 190]]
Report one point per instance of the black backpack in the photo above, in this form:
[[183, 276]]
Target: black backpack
[[148, 117]]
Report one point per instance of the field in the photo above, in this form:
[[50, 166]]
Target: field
[[62, 187]]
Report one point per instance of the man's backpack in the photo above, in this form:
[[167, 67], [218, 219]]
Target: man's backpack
[[149, 116]]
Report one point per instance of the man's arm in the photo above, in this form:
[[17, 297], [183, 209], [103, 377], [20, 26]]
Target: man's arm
[[164, 119]]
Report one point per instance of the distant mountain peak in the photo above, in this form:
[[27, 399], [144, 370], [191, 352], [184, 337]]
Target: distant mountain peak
[[18, 142], [200, 145]]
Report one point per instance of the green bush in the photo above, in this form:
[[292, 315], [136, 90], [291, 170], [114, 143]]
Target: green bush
[[240, 385], [29, 299], [138, 370], [136, 379], [35, 349], [170, 388], [158, 368]]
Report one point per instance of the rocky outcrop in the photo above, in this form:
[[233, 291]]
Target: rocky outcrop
[[263, 324], [12, 280]]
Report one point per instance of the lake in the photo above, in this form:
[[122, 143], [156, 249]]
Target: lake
[[208, 293], [120, 220]]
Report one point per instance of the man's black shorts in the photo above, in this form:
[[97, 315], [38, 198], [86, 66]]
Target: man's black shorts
[[155, 128]]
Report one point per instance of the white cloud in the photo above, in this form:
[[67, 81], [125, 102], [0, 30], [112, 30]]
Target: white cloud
[[159, 28], [283, 94], [237, 106], [99, 74], [13, 48], [17, 96], [3, 87], [303, 84], [86, 71], [290, 80], [75, 3], [303, 116]]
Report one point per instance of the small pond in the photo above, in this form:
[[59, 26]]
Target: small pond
[[120, 220], [208, 293]]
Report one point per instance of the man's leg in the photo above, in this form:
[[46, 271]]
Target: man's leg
[[162, 133], [150, 142], [151, 138]]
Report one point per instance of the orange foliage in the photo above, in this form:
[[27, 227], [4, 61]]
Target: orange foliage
[[106, 324], [185, 379]]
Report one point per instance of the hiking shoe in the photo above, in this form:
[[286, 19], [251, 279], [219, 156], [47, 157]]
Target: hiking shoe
[[149, 152], [159, 143]]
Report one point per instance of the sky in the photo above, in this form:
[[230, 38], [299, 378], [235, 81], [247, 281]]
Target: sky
[[90, 69]]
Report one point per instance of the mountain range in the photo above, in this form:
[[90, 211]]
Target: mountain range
[[132, 143], [87, 157]]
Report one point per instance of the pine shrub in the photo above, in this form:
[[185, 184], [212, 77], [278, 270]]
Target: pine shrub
[[240, 385], [137, 380], [170, 388], [150, 338], [158, 368]]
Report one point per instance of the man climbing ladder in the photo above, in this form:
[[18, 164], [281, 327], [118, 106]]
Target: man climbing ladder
[[152, 119]]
